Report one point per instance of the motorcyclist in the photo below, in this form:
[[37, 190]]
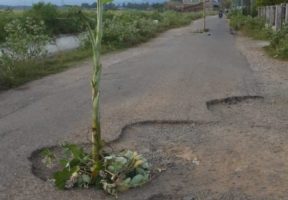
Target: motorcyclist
[[220, 13]]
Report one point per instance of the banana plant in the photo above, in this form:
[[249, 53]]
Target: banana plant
[[95, 39], [114, 172]]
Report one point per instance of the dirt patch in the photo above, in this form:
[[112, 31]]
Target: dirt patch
[[270, 72]]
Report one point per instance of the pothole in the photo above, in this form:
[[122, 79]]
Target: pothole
[[232, 101], [161, 157], [253, 111], [39, 169], [250, 162]]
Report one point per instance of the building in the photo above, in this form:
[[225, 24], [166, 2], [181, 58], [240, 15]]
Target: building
[[242, 4], [193, 5]]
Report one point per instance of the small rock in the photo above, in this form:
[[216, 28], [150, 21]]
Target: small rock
[[195, 161]]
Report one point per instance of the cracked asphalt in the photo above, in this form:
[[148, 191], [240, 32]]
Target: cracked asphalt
[[169, 78]]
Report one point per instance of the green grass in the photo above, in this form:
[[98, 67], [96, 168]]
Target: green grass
[[35, 69], [272, 52], [279, 43]]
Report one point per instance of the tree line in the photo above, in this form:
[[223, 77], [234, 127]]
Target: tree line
[[129, 5]]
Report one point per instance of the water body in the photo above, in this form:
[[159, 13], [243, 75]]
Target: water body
[[62, 43]]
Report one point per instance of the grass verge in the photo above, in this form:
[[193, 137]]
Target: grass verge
[[26, 71]]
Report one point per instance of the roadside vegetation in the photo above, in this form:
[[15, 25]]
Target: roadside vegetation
[[122, 29], [279, 44], [251, 26], [255, 27]]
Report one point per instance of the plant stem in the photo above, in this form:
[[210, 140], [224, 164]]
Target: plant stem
[[95, 82]]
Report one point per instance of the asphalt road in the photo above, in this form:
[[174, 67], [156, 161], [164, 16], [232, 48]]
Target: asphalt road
[[169, 78]]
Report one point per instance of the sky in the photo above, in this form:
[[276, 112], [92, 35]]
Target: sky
[[61, 2]]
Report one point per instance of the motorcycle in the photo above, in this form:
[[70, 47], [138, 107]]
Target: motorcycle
[[220, 14]]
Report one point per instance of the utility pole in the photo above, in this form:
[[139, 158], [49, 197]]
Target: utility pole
[[204, 15], [252, 6]]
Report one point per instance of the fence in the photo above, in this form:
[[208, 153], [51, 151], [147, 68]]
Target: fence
[[274, 16]]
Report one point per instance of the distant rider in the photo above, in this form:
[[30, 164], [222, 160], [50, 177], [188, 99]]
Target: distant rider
[[220, 13]]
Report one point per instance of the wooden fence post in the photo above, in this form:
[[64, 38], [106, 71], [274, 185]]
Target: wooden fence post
[[271, 15], [267, 12], [264, 12], [286, 13], [278, 17]]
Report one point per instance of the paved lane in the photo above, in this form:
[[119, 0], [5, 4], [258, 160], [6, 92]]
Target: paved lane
[[170, 77]]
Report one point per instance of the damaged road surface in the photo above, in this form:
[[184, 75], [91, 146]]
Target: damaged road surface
[[167, 99]]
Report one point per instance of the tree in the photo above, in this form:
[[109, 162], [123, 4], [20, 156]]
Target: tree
[[46, 12], [226, 3], [25, 41], [158, 6]]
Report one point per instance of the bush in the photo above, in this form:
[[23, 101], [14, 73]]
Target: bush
[[120, 32], [47, 13], [15, 73], [25, 41], [253, 27], [279, 43], [5, 17], [70, 21], [126, 28]]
